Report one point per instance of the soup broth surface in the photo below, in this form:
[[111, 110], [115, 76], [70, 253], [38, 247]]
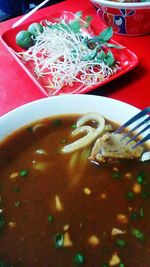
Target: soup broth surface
[[62, 210]]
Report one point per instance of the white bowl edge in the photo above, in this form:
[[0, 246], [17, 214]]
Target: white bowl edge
[[125, 5], [65, 104]]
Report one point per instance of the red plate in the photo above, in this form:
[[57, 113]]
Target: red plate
[[128, 60]]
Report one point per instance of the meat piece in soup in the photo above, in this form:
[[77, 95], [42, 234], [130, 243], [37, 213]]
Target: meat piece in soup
[[56, 208], [111, 146]]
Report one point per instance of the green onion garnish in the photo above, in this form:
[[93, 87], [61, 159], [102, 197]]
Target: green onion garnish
[[120, 242], [50, 218], [137, 233], [130, 195], [73, 126], [79, 259], [140, 179], [23, 173]]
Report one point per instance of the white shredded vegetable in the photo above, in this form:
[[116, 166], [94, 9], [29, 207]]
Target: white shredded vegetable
[[58, 54]]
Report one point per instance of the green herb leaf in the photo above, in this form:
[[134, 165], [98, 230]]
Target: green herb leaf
[[106, 34], [114, 46], [74, 26], [109, 58], [88, 21]]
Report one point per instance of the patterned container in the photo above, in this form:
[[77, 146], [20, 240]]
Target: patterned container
[[125, 18]]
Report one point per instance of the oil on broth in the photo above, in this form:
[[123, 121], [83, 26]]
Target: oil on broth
[[63, 210]]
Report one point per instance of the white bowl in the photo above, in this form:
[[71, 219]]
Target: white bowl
[[111, 109]]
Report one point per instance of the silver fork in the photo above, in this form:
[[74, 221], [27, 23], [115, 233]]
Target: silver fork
[[143, 119]]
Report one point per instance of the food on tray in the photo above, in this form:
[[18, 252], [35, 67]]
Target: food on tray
[[66, 52], [60, 208]]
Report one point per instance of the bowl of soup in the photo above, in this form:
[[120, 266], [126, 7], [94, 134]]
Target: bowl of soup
[[129, 18], [59, 206]]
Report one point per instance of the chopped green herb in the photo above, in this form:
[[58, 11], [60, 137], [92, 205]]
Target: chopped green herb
[[120, 242], [134, 215], [17, 204], [138, 234], [79, 259], [109, 58], [116, 175], [50, 218], [59, 240], [23, 173], [121, 264], [57, 122], [130, 195], [105, 35], [2, 222], [73, 126], [140, 179], [88, 20]]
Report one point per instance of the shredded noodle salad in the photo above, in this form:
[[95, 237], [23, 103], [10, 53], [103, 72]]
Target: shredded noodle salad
[[65, 53]]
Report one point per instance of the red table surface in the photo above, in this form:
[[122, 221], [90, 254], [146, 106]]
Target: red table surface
[[16, 88]]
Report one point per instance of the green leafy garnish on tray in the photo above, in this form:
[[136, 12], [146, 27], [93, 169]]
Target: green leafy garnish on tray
[[66, 51]]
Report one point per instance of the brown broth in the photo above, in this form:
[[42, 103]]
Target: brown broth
[[93, 202]]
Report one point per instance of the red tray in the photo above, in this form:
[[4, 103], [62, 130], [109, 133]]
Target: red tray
[[128, 60]]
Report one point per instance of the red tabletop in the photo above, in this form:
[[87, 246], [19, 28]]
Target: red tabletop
[[16, 88]]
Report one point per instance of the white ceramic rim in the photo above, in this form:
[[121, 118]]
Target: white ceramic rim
[[65, 104], [144, 5]]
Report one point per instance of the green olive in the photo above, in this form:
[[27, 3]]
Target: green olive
[[24, 39], [35, 29]]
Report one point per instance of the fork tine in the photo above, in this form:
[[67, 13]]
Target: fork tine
[[136, 127], [141, 141], [133, 119], [136, 135]]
